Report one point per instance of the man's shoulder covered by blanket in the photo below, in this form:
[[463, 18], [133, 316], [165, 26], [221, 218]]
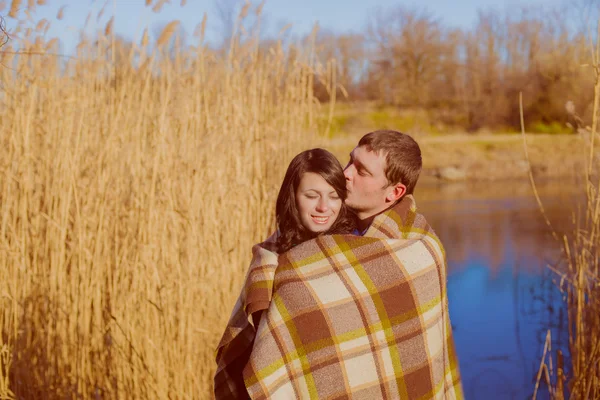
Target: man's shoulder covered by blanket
[[362, 315]]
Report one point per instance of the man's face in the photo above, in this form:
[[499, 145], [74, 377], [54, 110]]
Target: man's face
[[366, 182]]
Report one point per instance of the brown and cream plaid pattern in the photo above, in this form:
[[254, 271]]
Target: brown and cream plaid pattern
[[347, 317]]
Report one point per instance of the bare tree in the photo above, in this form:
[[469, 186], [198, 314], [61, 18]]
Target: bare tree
[[351, 58], [407, 45], [584, 14], [349, 53]]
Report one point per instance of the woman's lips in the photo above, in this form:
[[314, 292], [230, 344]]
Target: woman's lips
[[319, 220]]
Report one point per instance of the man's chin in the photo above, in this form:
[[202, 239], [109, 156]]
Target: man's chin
[[353, 207]]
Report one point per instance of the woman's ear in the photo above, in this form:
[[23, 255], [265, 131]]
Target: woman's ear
[[395, 193]]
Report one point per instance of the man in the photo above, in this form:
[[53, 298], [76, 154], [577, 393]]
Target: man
[[362, 317], [383, 168]]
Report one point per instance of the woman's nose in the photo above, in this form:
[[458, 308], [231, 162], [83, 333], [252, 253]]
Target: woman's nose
[[322, 205]]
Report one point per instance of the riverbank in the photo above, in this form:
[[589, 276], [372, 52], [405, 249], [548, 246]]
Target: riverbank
[[489, 157]]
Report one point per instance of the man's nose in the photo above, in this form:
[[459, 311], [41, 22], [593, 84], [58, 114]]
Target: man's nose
[[348, 173]]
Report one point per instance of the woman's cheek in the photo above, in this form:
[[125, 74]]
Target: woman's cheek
[[337, 205]]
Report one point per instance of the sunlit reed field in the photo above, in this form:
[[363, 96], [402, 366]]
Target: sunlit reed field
[[134, 180]]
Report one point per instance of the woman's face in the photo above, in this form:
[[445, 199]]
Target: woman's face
[[318, 203]]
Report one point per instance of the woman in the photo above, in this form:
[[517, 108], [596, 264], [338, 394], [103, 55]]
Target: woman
[[311, 200], [310, 203]]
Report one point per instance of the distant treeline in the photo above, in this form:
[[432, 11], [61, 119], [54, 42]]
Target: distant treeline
[[471, 79]]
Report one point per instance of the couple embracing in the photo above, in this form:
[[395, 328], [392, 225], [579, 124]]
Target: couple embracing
[[347, 300]]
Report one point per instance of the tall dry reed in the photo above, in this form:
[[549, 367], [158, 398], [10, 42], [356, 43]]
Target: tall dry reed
[[134, 180], [578, 375]]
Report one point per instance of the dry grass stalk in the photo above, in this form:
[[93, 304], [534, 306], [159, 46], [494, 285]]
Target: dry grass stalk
[[158, 6], [108, 30], [544, 371], [61, 13], [38, 45], [41, 25], [145, 39], [260, 7], [200, 30], [52, 44], [102, 11], [4, 37], [245, 9], [123, 242], [5, 365], [167, 33], [14, 8], [7, 54]]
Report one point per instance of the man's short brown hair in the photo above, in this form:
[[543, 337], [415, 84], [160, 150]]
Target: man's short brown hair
[[402, 156]]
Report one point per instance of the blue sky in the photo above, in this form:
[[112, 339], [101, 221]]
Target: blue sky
[[337, 15]]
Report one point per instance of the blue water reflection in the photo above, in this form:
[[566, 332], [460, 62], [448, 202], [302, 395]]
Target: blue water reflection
[[503, 298]]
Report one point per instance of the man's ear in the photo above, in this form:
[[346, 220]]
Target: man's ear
[[395, 193]]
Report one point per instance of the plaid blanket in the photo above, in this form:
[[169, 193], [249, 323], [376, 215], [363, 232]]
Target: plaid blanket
[[346, 317]]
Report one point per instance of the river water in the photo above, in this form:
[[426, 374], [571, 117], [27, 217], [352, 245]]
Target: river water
[[503, 298]]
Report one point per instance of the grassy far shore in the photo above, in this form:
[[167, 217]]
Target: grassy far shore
[[464, 157], [452, 154]]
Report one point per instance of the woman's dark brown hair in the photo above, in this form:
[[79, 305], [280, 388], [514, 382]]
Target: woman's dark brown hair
[[291, 230]]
